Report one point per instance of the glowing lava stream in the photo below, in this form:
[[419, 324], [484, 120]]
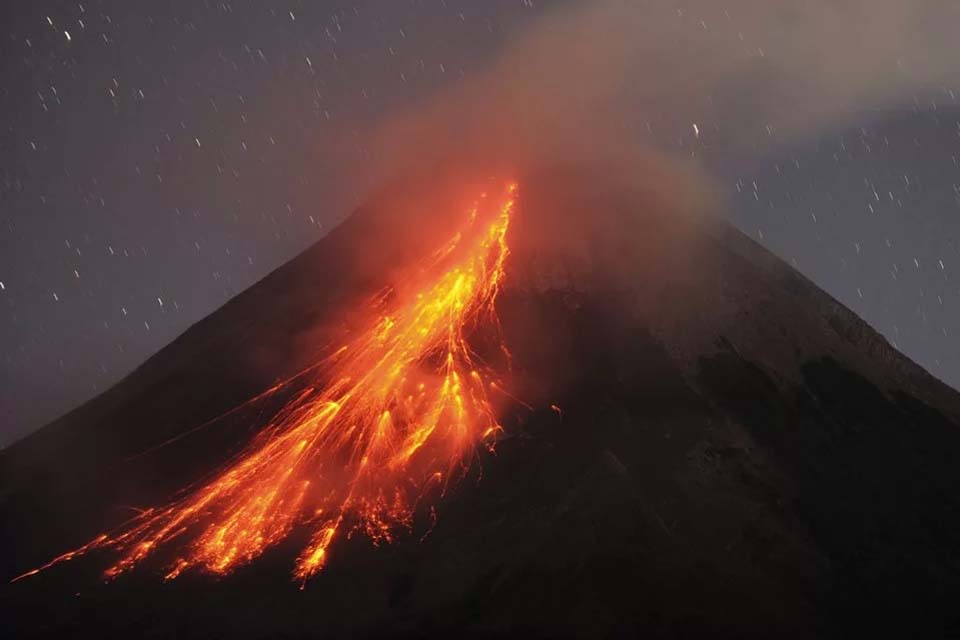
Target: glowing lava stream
[[404, 404]]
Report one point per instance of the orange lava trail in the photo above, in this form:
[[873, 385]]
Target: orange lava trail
[[403, 405]]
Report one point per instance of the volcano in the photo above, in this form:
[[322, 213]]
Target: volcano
[[557, 404]]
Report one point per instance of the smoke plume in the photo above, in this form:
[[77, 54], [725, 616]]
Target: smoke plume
[[600, 81]]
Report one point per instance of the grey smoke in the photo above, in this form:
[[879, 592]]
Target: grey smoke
[[597, 78]]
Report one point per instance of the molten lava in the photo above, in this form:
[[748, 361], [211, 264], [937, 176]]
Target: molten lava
[[403, 405]]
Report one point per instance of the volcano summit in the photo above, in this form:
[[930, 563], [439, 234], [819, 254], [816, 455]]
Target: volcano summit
[[552, 404]]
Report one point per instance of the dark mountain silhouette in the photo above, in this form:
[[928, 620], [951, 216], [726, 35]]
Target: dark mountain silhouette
[[735, 453]]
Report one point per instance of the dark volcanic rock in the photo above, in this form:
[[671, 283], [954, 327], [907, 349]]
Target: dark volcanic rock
[[737, 454]]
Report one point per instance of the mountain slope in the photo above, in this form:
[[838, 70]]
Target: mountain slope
[[712, 444]]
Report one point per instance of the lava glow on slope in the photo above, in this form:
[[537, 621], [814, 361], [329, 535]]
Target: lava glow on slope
[[404, 405]]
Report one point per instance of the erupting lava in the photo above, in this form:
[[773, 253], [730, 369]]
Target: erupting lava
[[403, 405]]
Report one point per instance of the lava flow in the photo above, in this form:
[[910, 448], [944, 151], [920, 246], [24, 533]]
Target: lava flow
[[404, 405]]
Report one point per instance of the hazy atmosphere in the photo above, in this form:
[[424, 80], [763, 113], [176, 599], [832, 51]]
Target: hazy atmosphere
[[157, 159]]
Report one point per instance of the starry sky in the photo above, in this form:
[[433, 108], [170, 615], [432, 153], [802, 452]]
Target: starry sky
[[157, 158]]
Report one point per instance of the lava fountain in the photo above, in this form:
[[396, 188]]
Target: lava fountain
[[405, 404]]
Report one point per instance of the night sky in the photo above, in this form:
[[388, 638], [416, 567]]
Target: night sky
[[157, 158]]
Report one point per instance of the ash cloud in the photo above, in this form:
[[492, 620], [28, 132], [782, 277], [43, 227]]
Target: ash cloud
[[601, 81]]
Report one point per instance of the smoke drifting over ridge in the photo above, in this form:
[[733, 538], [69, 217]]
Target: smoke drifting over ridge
[[599, 81]]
